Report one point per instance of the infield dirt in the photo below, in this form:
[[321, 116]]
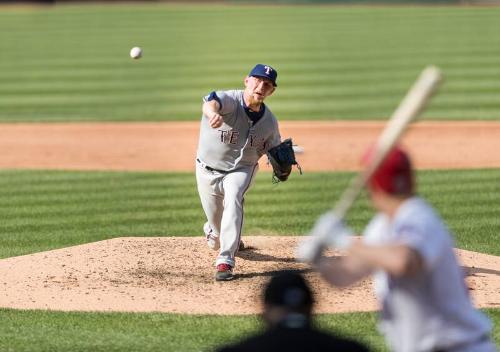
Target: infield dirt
[[175, 274], [171, 146]]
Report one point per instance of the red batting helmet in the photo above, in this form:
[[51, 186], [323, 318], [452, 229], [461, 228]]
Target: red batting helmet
[[395, 173]]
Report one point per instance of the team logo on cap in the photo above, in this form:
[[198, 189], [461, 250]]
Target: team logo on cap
[[268, 69]]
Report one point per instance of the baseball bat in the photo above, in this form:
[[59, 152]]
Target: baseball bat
[[408, 110]]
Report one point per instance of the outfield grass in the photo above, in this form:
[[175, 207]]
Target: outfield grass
[[70, 63], [44, 210]]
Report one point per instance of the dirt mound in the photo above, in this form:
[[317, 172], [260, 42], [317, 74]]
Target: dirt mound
[[176, 274]]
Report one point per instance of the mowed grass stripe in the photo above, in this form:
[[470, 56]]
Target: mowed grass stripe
[[44, 210], [65, 83], [379, 64], [71, 62], [48, 198], [50, 213], [115, 87], [43, 105]]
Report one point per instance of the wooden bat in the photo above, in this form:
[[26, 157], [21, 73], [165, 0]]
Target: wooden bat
[[408, 110]]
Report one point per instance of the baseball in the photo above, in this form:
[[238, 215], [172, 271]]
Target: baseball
[[298, 149], [136, 52]]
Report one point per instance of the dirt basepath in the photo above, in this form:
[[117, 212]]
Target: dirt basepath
[[171, 146]]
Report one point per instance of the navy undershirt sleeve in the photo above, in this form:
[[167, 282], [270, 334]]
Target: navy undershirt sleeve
[[213, 96]]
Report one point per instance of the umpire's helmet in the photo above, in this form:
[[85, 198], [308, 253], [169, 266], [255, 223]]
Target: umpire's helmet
[[288, 289]]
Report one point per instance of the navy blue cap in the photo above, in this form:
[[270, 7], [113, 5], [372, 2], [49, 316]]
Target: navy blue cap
[[265, 71]]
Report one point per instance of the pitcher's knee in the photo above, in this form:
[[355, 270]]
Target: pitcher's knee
[[233, 200]]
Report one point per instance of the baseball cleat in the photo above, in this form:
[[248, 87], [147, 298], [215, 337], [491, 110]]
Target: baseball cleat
[[212, 239], [224, 272]]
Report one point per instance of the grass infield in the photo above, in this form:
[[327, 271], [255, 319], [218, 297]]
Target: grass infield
[[44, 210], [76, 331], [71, 63]]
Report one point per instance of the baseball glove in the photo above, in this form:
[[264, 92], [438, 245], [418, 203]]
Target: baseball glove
[[282, 157]]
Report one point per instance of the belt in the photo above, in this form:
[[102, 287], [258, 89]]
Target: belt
[[206, 167]]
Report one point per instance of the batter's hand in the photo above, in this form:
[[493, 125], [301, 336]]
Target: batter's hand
[[309, 250], [328, 231], [216, 120], [332, 231]]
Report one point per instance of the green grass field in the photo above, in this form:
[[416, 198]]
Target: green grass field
[[149, 332], [43, 210], [58, 331], [71, 63], [52, 209]]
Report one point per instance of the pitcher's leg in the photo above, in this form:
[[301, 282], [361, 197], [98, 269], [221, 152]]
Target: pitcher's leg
[[235, 185], [212, 202]]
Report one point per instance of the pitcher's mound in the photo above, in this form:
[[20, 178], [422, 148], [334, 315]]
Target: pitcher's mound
[[176, 274]]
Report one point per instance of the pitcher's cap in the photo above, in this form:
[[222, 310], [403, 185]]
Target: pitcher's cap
[[265, 71]]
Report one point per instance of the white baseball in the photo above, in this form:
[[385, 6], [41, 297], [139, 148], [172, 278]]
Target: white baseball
[[136, 52], [298, 149]]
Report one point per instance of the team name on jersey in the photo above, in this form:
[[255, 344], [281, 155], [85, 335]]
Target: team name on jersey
[[232, 137]]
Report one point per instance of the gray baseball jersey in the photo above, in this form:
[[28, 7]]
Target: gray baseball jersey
[[430, 310], [227, 161], [238, 142]]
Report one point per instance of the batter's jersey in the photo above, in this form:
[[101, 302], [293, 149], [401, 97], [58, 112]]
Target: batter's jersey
[[430, 310], [238, 142]]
